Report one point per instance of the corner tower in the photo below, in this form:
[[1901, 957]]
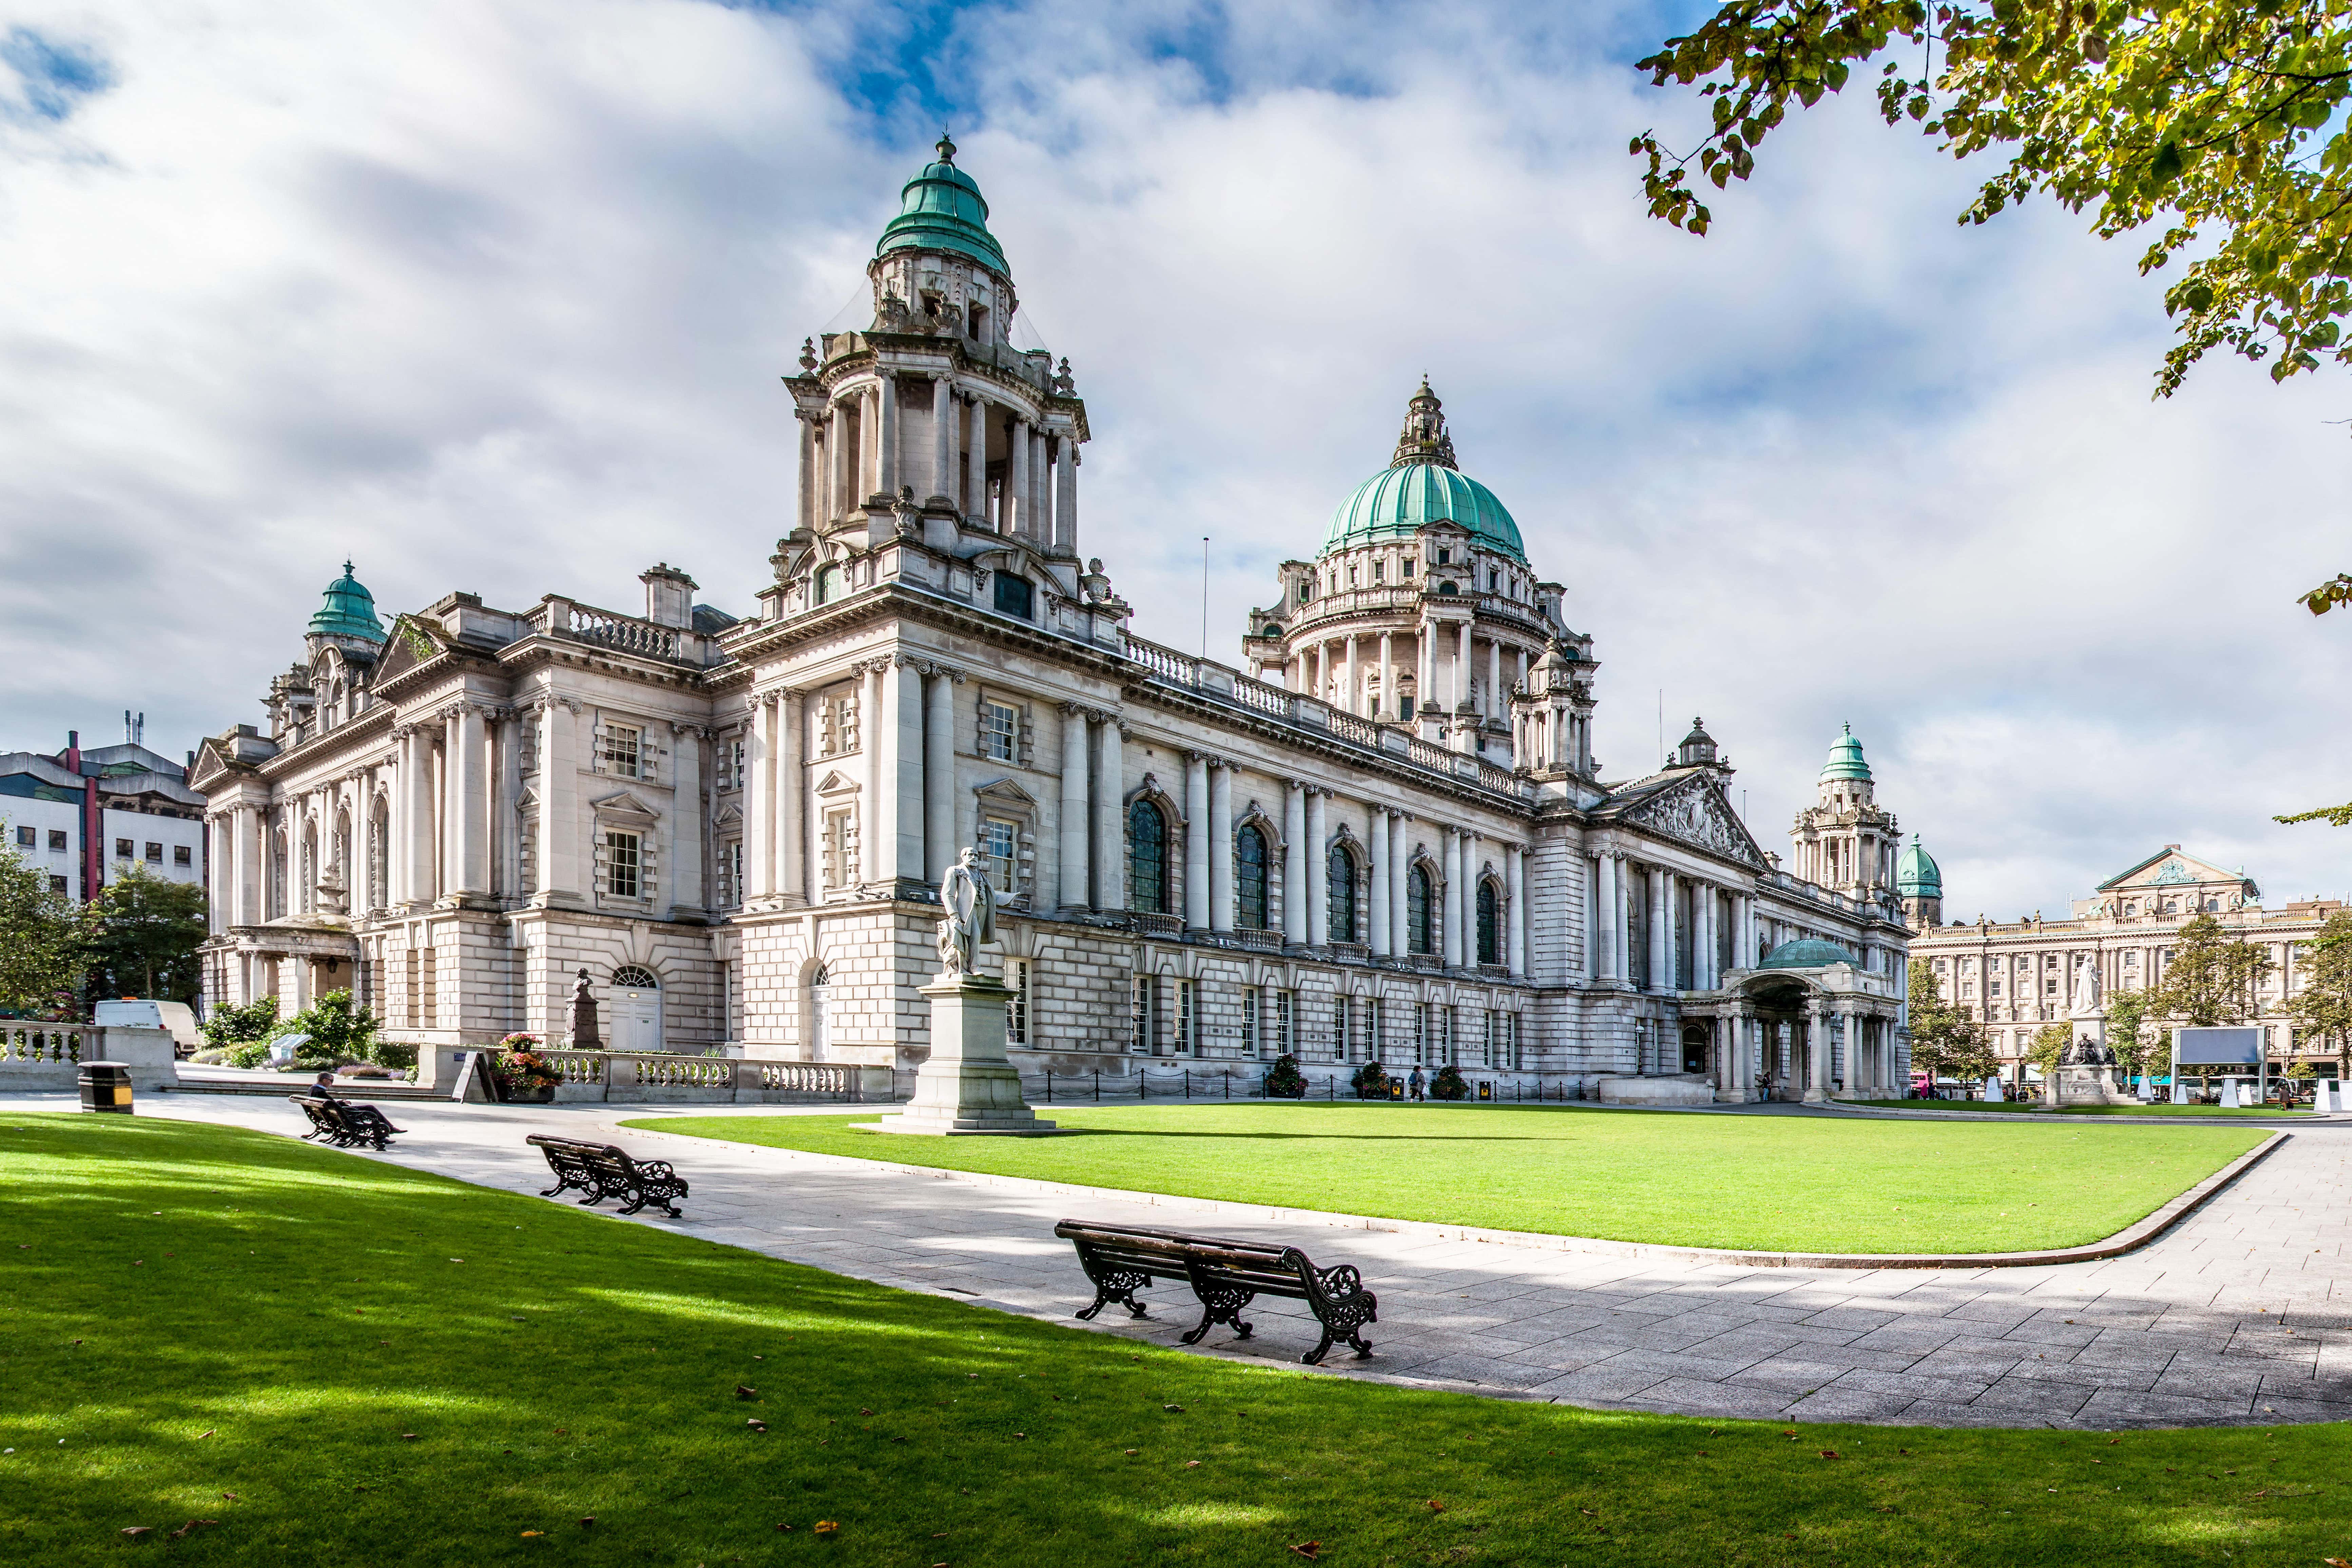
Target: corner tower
[[1919, 883], [1420, 610], [1844, 841]]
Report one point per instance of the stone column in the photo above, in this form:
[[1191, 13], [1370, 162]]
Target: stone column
[[1040, 522], [559, 803], [759, 799], [899, 853], [1742, 923], [1196, 841], [1514, 934], [943, 441], [1065, 498], [1221, 846], [1609, 919], [1293, 866], [246, 857], [1074, 865], [1462, 670], [685, 836], [975, 504], [1353, 702], [1110, 819], [939, 834], [811, 500], [1016, 478], [1386, 706], [791, 832], [469, 803], [1382, 943], [1399, 882], [885, 427], [836, 441], [1318, 870], [1452, 947], [1662, 973], [1495, 703]]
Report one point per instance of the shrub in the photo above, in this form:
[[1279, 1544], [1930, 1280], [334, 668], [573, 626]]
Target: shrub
[[1286, 1081], [1369, 1081], [340, 1031], [393, 1053], [231, 1026], [1448, 1084]]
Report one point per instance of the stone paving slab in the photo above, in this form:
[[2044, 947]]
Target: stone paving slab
[[2191, 1331]]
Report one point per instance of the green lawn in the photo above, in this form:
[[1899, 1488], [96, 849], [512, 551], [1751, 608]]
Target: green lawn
[[1781, 1183], [346, 1362], [2029, 1107]]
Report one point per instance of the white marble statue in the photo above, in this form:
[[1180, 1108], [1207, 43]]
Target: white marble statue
[[970, 906]]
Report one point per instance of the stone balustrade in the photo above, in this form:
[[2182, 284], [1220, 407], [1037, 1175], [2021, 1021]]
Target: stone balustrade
[[48, 1057]]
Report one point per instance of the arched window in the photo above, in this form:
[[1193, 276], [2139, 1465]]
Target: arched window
[[1343, 894], [1147, 858], [1419, 897], [1448, 588], [828, 584], [1249, 877], [1490, 924], [633, 977]]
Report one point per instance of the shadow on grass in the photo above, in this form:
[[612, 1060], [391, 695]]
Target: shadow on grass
[[340, 1361]]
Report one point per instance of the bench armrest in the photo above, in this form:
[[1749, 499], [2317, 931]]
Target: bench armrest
[[1340, 1280]]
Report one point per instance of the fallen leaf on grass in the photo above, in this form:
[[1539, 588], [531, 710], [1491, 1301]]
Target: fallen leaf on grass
[[1130, 1453], [1310, 1550], [140, 1531], [230, 1496], [756, 1424], [190, 1528], [206, 1433], [1192, 1464], [1176, 1409], [408, 1437], [744, 1391], [586, 1520], [1829, 1453], [863, 1410], [1436, 1505], [827, 1526], [1587, 1513], [528, 1534]]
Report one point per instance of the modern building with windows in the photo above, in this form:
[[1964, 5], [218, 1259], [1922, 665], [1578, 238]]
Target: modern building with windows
[[1381, 834], [2016, 976], [85, 817]]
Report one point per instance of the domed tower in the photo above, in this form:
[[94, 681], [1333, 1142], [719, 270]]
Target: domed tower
[[1844, 841], [1421, 610], [345, 618], [934, 407], [1919, 883]]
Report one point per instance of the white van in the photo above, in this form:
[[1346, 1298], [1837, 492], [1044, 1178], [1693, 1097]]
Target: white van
[[138, 1013]]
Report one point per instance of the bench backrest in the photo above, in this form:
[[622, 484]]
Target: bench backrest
[[1252, 1265]]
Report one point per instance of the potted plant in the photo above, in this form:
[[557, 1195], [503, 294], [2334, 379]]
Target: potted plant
[[1286, 1081], [1448, 1084], [522, 1074], [1369, 1081]]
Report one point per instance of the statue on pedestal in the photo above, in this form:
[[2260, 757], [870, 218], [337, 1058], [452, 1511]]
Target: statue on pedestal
[[970, 906], [584, 1036]]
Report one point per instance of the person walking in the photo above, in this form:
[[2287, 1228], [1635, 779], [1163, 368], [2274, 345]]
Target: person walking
[[1414, 1083]]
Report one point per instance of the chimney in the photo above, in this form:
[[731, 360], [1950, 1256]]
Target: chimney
[[669, 597]]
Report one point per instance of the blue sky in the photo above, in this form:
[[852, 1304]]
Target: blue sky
[[494, 295]]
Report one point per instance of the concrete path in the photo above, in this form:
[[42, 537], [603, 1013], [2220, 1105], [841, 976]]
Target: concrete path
[[2242, 1314]]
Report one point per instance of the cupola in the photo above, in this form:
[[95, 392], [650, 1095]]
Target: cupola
[[347, 610], [1421, 484], [942, 209]]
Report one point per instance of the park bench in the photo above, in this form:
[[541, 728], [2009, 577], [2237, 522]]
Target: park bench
[[602, 1172], [1226, 1276], [344, 1124]]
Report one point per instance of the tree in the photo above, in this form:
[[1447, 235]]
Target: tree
[[337, 1028], [2210, 977], [2133, 1044], [1946, 1042], [2217, 121], [2323, 1003], [142, 938], [40, 939], [2049, 1042]]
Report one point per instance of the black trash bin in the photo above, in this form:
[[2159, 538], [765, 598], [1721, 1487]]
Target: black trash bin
[[105, 1086]]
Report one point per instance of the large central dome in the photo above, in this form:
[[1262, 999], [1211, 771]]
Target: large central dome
[[1421, 486], [942, 209]]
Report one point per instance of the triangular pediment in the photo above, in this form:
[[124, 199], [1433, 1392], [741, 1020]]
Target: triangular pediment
[[729, 816], [411, 643], [1006, 792], [620, 802], [837, 782], [1695, 812], [2172, 869]]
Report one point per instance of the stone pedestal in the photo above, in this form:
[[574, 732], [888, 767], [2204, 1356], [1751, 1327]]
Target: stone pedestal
[[968, 1086], [2085, 1085]]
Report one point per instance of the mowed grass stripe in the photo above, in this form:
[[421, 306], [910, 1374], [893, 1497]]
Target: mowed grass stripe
[[1783, 1183], [572, 1367]]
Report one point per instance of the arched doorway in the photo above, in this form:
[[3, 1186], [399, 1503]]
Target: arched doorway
[[635, 1009], [820, 988], [1697, 1048]]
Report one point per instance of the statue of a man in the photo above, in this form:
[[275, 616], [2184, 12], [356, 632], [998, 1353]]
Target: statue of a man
[[970, 906], [584, 1034]]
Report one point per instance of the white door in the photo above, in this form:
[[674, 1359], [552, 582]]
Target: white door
[[637, 1011]]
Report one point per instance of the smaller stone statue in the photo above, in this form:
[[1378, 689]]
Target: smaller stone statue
[[970, 906], [1095, 585], [907, 516], [1063, 386], [332, 892], [584, 1035], [808, 355], [2087, 988]]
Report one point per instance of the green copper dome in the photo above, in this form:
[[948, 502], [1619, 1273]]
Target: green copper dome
[[1845, 759], [1916, 875], [1807, 952], [348, 611], [1421, 484], [942, 209]]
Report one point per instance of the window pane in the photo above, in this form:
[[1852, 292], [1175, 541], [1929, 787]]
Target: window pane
[[1416, 910], [1343, 894], [1249, 863], [1490, 938], [1000, 736], [999, 842], [622, 865], [1147, 858]]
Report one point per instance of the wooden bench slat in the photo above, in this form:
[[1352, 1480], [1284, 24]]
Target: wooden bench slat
[[1225, 1275], [603, 1170]]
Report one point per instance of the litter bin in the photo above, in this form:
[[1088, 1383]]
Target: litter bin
[[105, 1086]]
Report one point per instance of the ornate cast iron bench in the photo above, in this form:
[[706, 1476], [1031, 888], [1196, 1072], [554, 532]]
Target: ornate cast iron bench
[[345, 1124], [1226, 1276], [602, 1172]]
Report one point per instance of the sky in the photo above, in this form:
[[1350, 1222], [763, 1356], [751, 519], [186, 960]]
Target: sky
[[496, 295]]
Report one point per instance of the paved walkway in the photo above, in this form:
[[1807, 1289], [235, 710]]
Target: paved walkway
[[2242, 1314]]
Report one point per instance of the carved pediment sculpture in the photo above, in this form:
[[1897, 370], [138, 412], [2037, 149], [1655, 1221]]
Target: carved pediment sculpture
[[1696, 814]]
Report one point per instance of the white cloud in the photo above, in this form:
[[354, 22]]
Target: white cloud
[[495, 296]]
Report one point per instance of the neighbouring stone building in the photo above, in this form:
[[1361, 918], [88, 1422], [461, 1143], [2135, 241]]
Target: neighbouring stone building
[[2015, 977], [1382, 836]]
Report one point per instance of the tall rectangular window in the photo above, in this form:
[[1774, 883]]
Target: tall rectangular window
[[840, 842], [1016, 1012], [1139, 1017], [1343, 1044], [1000, 849], [1187, 1017], [1000, 731], [1518, 1056], [623, 750], [1421, 1033], [1375, 1037], [1249, 1020], [1445, 1057], [430, 987], [1487, 1046], [623, 864], [1286, 1009]]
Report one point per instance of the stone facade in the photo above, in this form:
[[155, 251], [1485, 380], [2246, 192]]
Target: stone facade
[[1382, 836]]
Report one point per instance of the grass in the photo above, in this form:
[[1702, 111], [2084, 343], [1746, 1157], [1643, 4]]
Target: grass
[[206, 1323], [2029, 1108], [1777, 1182]]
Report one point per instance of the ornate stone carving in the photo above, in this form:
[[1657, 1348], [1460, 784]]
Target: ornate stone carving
[[1695, 815]]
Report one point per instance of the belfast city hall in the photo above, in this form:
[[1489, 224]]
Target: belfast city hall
[[1379, 834]]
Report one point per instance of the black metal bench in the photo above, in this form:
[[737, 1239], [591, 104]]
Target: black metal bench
[[603, 1171], [1226, 1276], [344, 1124]]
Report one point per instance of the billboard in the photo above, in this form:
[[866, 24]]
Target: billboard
[[2230, 1048]]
